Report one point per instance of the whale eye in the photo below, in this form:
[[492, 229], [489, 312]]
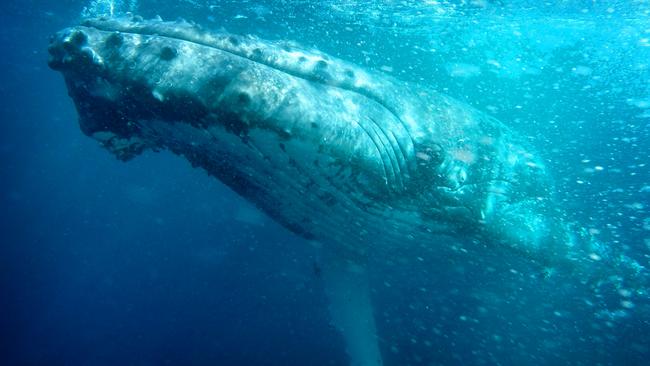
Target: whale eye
[[461, 175], [457, 176]]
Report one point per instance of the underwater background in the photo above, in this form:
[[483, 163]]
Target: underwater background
[[155, 263]]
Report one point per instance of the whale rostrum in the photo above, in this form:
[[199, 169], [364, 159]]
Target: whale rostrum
[[356, 160]]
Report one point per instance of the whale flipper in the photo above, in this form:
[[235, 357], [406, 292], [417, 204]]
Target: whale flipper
[[351, 311]]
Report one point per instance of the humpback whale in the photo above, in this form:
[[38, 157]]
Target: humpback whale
[[352, 159]]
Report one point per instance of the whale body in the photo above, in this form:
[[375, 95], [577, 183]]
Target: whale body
[[355, 160]]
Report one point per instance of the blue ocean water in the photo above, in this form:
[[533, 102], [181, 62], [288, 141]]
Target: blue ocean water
[[153, 262]]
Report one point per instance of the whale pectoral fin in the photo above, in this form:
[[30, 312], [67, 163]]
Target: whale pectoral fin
[[351, 311]]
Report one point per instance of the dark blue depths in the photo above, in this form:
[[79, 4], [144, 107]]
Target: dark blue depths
[[153, 262]]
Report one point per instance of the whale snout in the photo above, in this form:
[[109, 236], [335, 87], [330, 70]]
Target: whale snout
[[69, 49]]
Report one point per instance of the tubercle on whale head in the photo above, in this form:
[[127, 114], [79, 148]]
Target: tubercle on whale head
[[69, 50]]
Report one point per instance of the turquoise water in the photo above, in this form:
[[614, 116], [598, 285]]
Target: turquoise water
[[152, 262]]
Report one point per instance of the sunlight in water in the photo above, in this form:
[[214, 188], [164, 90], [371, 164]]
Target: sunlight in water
[[97, 8]]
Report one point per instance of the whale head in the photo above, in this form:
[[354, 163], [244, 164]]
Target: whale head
[[124, 80]]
